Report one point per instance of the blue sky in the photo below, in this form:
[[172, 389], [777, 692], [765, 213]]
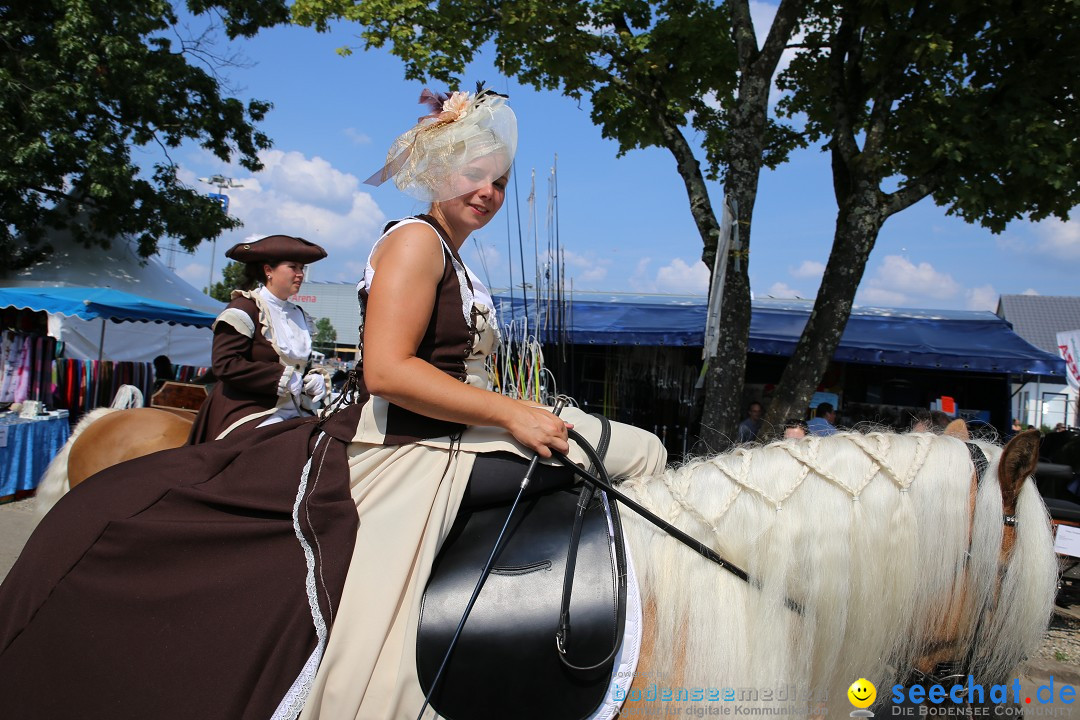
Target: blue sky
[[624, 223]]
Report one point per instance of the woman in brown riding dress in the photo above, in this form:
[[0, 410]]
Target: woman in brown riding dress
[[278, 573], [262, 343]]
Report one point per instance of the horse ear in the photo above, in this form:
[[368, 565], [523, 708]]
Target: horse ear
[[957, 429], [1018, 462]]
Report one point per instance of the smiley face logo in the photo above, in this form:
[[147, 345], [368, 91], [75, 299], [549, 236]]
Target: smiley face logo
[[862, 693]]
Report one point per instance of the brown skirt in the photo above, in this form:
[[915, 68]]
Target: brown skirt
[[179, 586]]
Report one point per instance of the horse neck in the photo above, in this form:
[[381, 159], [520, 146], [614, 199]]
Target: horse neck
[[866, 533]]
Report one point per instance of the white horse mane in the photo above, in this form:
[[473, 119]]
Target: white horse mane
[[868, 534], [54, 482]]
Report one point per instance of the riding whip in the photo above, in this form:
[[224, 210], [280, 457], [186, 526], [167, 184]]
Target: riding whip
[[560, 403]]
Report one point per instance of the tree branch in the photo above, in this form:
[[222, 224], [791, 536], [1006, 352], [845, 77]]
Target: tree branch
[[843, 44], [910, 193], [787, 17], [742, 28]]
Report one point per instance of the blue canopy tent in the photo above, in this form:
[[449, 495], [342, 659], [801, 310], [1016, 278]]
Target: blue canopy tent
[[101, 303], [977, 341], [93, 303]]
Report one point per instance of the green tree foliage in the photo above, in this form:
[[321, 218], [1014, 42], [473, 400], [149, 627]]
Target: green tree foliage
[[232, 278], [82, 84], [972, 104], [684, 75], [325, 335]]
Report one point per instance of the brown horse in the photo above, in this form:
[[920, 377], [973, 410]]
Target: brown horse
[[105, 437]]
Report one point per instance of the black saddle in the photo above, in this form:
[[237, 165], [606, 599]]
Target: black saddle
[[508, 649]]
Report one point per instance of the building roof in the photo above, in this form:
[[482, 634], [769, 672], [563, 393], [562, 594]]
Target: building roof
[[978, 341], [1039, 318]]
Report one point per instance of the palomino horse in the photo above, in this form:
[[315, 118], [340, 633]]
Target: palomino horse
[[877, 556], [105, 437]]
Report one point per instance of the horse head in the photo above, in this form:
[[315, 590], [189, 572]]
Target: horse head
[[971, 634]]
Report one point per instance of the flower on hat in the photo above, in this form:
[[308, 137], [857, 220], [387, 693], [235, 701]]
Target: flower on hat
[[426, 161], [457, 105], [444, 108]]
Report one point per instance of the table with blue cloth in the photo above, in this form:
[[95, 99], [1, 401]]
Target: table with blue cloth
[[27, 449]]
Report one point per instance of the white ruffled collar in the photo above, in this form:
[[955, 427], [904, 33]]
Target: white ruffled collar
[[274, 299]]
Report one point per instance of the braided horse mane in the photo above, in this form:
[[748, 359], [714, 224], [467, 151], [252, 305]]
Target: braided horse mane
[[869, 534]]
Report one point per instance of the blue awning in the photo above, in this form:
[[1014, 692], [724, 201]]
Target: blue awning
[[92, 303], [946, 339]]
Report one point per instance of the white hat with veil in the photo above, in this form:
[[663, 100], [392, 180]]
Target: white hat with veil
[[468, 141]]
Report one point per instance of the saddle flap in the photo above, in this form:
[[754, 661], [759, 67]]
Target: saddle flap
[[507, 649]]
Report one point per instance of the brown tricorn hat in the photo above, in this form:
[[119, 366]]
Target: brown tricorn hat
[[276, 248]]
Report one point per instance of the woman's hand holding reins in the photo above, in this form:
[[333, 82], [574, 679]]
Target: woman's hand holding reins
[[315, 385], [538, 428]]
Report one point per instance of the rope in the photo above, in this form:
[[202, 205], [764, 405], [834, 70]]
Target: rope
[[805, 454]]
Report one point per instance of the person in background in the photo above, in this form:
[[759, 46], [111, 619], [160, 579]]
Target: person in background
[[750, 428], [934, 421], [262, 343], [1054, 442], [163, 371], [794, 428], [823, 422]]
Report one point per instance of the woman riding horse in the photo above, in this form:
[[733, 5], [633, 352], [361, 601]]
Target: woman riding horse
[[216, 572], [262, 343]]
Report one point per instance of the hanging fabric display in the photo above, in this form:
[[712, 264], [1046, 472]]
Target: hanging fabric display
[[26, 355]]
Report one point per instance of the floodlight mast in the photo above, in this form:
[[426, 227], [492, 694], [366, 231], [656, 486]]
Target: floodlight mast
[[221, 183]]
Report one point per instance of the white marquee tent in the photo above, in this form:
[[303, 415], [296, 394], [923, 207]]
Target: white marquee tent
[[119, 268]]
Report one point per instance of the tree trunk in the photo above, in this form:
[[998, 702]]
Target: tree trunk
[[727, 371], [858, 222], [743, 149]]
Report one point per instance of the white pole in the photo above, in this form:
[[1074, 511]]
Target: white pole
[[213, 251]]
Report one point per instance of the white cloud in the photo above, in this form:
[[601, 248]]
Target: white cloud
[[357, 137], [194, 273], [1053, 238], [1059, 240], [640, 281], [305, 197], [984, 297], [483, 258], [1010, 242], [782, 290], [898, 281], [678, 277], [808, 269], [308, 180], [585, 268], [1031, 291], [355, 268], [878, 296]]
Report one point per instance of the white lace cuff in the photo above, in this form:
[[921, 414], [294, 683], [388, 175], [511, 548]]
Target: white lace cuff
[[284, 382]]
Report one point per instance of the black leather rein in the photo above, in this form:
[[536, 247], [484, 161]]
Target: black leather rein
[[604, 483]]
